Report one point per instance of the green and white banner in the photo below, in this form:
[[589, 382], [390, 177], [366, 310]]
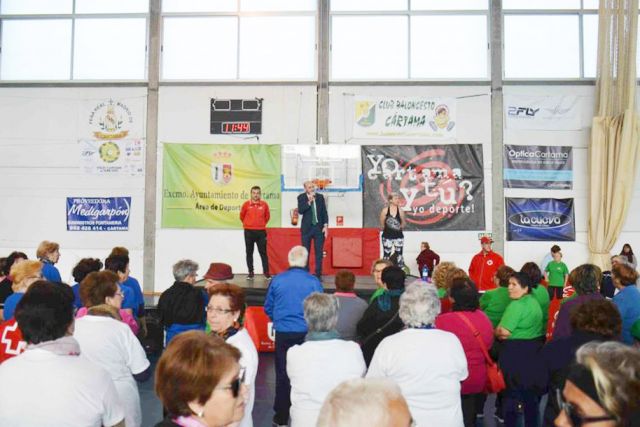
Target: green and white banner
[[205, 185], [417, 117]]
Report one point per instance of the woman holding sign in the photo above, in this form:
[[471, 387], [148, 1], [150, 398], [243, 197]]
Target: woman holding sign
[[392, 222]]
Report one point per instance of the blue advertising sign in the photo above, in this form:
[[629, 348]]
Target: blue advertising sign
[[98, 213], [538, 166], [548, 220]]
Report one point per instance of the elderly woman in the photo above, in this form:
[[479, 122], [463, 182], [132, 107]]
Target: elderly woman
[[538, 291], [49, 384], [376, 272], [49, 254], [585, 280], [602, 388], [80, 271], [470, 325], [200, 382], [23, 275], [391, 224], [365, 402], [181, 307], [102, 288], [521, 332], [441, 278], [130, 282], [224, 313], [110, 344], [351, 308], [381, 319], [427, 363], [312, 367], [14, 257], [119, 264], [627, 299], [593, 320], [494, 302]]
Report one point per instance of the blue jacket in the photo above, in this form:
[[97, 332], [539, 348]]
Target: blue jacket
[[50, 272], [628, 302], [304, 209], [285, 296]]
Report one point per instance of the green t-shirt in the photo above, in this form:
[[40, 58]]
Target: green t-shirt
[[494, 303], [557, 271], [542, 296], [523, 318]]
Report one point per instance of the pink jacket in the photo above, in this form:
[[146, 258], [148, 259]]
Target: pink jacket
[[476, 364], [124, 314]]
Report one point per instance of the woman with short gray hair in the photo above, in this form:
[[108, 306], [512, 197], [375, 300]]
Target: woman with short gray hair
[[322, 362], [428, 364], [181, 307]]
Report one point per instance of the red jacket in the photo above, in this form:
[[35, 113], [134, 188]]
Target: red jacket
[[255, 216], [482, 269]]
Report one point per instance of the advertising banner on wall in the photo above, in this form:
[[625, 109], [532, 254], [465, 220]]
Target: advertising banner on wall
[[98, 213], [116, 157], [525, 112], [418, 117], [549, 220], [441, 186], [537, 166], [111, 139], [205, 185]]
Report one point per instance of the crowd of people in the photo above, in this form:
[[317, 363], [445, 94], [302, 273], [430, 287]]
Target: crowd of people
[[419, 352]]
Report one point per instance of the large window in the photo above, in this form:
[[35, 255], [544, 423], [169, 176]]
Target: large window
[[402, 40], [550, 39], [232, 40], [49, 40]]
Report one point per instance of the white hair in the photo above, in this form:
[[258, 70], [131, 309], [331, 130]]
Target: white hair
[[184, 268], [419, 304], [360, 402], [298, 256], [321, 312]]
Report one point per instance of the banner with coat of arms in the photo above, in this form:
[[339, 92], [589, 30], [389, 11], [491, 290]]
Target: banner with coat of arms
[[205, 185], [112, 141], [415, 117]]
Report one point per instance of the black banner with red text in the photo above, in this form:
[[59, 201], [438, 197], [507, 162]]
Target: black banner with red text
[[441, 187]]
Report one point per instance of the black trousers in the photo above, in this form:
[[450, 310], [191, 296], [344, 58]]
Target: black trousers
[[555, 291], [258, 237], [282, 403], [472, 405]]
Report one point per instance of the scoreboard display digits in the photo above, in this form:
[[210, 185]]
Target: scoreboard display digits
[[236, 116]]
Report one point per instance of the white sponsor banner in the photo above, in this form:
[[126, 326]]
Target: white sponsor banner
[[116, 157], [416, 117], [524, 112], [112, 118]]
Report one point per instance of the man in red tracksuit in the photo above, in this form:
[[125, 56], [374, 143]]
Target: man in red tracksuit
[[255, 216], [484, 265]]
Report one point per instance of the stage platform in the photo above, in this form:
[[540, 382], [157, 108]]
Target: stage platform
[[256, 289]]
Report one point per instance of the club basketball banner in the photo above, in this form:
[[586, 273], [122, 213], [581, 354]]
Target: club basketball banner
[[537, 166], [441, 186], [205, 185], [551, 220], [524, 112], [404, 117]]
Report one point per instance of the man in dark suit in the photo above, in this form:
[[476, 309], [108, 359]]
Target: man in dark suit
[[315, 222]]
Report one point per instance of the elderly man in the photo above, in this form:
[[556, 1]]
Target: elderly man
[[181, 307], [365, 403], [315, 222], [284, 306]]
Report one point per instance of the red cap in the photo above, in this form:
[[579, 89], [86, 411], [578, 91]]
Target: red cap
[[219, 271], [485, 239]]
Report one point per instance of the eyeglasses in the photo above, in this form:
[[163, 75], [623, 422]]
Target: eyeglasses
[[235, 384], [577, 419], [218, 310]]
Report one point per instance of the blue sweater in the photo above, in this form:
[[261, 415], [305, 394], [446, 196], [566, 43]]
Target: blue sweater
[[50, 272], [285, 296], [628, 303], [133, 296]]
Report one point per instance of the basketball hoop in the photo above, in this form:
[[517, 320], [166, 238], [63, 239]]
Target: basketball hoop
[[322, 183]]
